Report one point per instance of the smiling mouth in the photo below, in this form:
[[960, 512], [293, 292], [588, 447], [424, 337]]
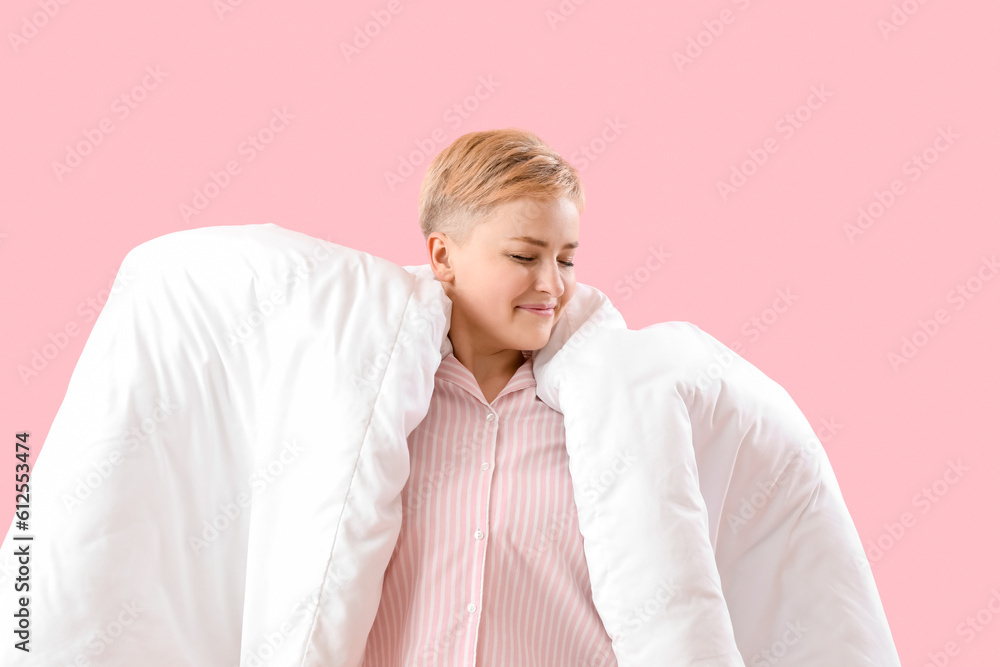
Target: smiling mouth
[[543, 312]]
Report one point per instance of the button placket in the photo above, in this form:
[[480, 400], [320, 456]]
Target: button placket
[[480, 534], [490, 417]]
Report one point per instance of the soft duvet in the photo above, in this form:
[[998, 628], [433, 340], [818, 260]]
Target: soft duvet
[[221, 484]]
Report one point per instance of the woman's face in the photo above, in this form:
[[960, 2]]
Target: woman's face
[[520, 256]]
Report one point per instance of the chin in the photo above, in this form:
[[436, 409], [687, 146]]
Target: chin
[[534, 342], [528, 337]]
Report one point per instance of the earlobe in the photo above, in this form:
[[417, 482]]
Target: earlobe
[[442, 271]]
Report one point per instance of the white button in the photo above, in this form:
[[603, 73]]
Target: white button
[[471, 608], [490, 417], [485, 466], [479, 534]]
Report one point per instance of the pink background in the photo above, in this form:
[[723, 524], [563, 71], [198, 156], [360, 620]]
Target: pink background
[[662, 133]]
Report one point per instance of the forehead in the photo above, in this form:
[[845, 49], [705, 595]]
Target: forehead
[[556, 220]]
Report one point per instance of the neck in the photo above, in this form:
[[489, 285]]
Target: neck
[[491, 368]]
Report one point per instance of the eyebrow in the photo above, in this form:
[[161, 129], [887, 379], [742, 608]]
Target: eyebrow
[[540, 243]]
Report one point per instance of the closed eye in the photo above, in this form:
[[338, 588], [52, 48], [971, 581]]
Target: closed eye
[[532, 259]]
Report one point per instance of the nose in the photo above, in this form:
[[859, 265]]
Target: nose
[[549, 279]]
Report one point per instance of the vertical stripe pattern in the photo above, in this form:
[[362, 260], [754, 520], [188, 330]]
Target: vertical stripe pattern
[[489, 567]]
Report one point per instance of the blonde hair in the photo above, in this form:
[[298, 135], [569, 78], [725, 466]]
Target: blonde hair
[[482, 170]]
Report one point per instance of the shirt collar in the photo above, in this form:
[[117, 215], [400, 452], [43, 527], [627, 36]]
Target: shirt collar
[[452, 370]]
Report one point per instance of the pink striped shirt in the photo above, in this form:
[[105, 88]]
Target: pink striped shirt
[[489, 567]]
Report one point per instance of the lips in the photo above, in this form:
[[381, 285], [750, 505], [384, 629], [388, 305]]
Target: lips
[[539, 310]]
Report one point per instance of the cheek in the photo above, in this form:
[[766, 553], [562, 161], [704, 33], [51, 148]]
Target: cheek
[[498, 291], [495, 302]]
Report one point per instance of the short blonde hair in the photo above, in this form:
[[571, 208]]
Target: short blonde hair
[[482, 170]]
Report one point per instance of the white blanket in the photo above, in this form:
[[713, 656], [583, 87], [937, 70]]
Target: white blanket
[[221, 485]]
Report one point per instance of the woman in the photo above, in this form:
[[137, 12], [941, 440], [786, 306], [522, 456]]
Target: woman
[[489, 568]]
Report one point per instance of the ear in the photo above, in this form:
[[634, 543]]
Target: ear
[[440, 260]]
